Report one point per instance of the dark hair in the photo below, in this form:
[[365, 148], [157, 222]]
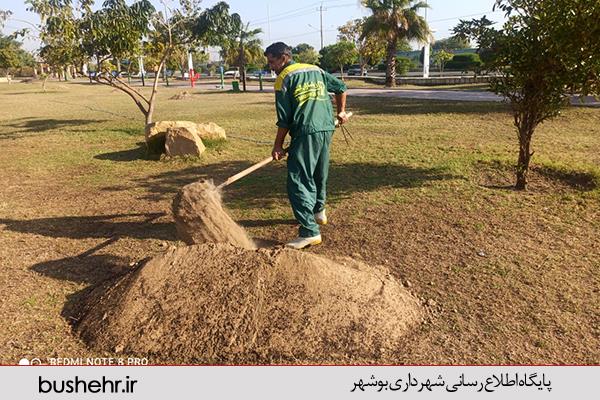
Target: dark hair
[[278, 49]]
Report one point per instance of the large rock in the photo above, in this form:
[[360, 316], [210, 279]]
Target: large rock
[[157, 131], [182, 142], [211, 131]]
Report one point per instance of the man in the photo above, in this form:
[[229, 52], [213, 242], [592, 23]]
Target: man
[[304, 110]]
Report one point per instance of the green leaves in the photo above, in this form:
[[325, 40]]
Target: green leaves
[[395, 20], [305, 53], [339, 54], [546, 50]]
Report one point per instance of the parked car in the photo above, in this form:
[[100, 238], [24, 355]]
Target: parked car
[[265, 74], [234, 73], [355, 71]]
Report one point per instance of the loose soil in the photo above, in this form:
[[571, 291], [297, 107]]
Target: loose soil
[[200, 218], [220, 304]]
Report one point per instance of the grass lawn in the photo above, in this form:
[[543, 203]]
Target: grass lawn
[[506, 277]]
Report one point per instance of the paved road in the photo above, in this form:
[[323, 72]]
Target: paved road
[[452, 95], [429, 94], [447, 95]]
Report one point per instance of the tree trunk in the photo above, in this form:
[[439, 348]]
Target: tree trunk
[[390, 74], [242, 68], [525, 153], [244, 77], [44, 82]]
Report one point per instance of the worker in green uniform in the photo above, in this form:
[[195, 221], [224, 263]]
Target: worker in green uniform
[[304, 110]]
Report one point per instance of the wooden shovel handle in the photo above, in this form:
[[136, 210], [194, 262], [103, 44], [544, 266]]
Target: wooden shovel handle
[[258, 165]]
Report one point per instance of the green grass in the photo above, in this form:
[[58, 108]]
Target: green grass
[[422, 188]]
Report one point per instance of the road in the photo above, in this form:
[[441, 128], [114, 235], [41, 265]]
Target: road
[[420, 94]]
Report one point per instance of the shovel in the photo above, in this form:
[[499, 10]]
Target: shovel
[[258, 165]]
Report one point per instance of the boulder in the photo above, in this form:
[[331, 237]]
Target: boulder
[[156, 131], [211, 131], [183, 141]]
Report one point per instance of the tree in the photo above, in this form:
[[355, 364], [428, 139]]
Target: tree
[[4, 15], [451, 43], [337, 55], [404, 65], [118, 31], [9, 53], [465, 62], [394, 20], [59, 32], [546, 51], [243, 48], [115, 32], [441, 57], [305, 53], [371, 48]]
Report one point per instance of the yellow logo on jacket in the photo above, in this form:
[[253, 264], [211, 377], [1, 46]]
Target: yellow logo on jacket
[[309, 91]]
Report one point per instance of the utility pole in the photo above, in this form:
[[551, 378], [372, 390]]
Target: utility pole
[[268, 24], [321, 14]]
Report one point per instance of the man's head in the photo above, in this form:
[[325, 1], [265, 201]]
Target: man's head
[[278, 56]]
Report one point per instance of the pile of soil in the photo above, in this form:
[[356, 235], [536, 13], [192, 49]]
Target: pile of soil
[[222, 301], [200, 217], [220, 304]]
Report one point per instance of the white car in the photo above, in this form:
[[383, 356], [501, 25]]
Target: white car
[[234, 73]]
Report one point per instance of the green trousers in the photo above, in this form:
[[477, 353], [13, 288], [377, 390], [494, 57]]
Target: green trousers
[[308, 169]]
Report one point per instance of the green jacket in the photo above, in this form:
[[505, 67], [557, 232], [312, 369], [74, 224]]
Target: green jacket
[[302, 100]]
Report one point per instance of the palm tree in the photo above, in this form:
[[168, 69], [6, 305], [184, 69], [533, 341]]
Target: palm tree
[[396, 20], [245, 47]]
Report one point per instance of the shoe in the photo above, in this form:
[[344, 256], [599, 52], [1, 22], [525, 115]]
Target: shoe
[[300, 243], [321, 217]]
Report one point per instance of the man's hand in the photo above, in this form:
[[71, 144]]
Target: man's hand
[[342, 118], [278, 153]]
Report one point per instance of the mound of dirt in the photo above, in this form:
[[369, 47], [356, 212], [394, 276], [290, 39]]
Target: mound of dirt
[[216, 303], [200, 217]]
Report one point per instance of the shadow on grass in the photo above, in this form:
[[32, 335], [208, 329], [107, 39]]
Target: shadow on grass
[[578, 180], [111, 227], [39, 125], [139, 153], [99, 271], [91, 269], [497, 174], [267, 186], [400, 106]]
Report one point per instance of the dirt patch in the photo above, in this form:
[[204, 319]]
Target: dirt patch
[[200, 217], [216, 303]]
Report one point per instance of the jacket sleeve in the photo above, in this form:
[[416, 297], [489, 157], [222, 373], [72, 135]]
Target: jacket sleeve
[[334, 85], [283, 105]]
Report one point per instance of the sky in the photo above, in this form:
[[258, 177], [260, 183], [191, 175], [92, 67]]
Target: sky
[[297, 21]]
